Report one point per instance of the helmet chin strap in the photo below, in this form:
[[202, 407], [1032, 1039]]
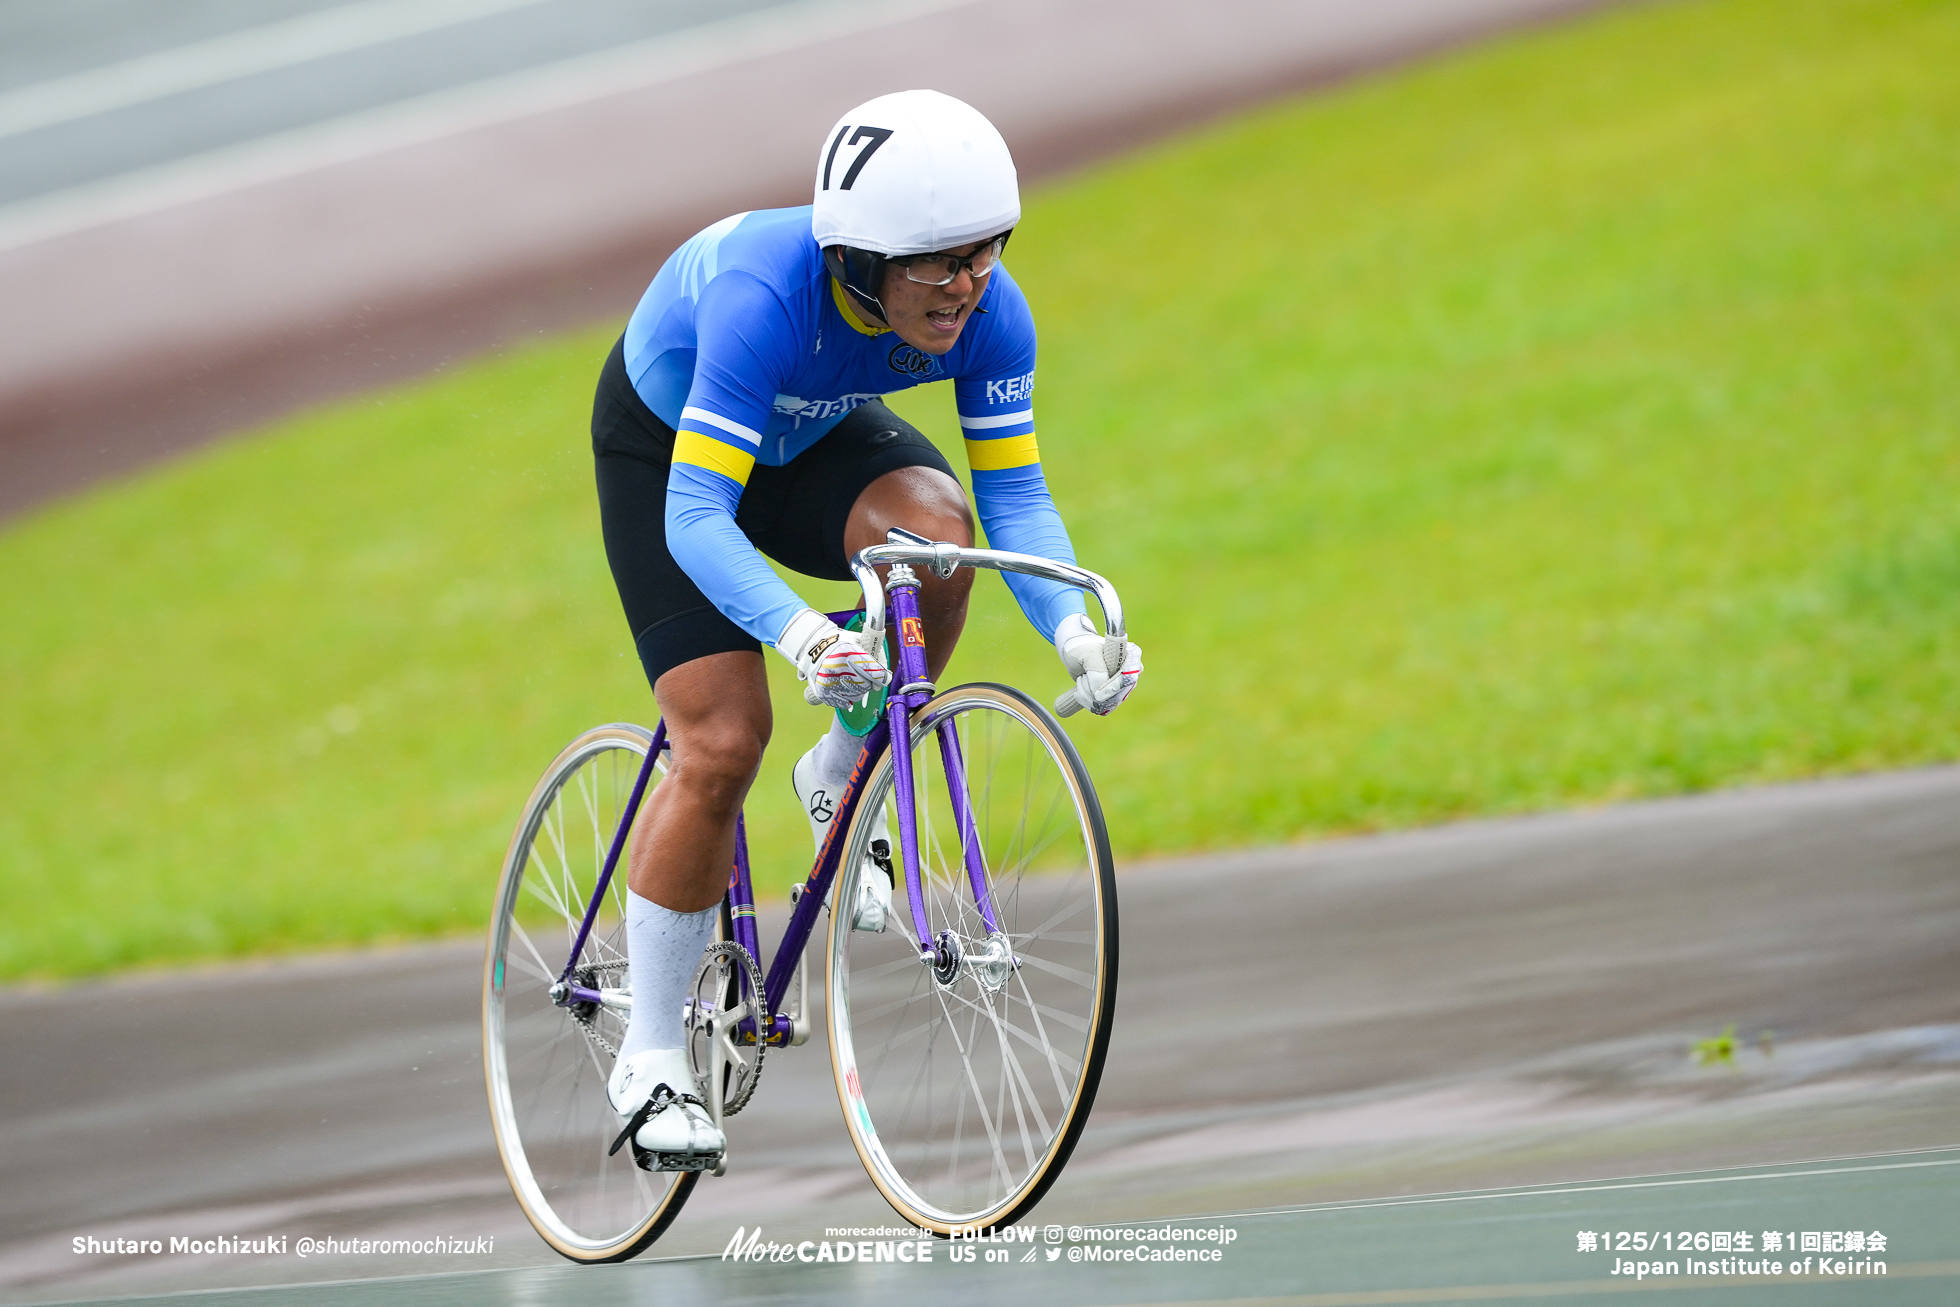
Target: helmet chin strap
[[865, 302], [849, 266]]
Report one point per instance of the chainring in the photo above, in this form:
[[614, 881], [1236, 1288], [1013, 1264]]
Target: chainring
[[710, 984]]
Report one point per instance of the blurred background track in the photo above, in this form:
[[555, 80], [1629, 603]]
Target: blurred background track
[[273, 204]]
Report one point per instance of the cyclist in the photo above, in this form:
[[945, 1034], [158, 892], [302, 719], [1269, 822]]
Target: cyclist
[[740, 415]]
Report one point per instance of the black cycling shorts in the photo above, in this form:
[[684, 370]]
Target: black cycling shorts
[[795, 514]]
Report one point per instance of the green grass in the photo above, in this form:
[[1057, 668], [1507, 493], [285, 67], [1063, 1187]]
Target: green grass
[[1568, 419]]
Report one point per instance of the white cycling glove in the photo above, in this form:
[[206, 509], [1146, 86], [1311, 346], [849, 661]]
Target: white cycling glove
[[838, 667], [1105, 669]]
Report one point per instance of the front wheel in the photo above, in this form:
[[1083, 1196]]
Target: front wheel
[[965, 1084], [547, 1063]]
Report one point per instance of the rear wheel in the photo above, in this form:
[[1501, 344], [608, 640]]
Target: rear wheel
[[965, 1084], [547, 1064]]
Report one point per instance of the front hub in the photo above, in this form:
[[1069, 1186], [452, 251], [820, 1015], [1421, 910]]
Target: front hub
[[992, 962], [947, 957]]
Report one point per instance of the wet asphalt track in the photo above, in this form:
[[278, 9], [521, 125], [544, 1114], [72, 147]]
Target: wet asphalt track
[[1496, 1004], [1513, 1245]]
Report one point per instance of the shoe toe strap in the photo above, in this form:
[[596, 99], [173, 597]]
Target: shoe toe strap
[[657, 1102]]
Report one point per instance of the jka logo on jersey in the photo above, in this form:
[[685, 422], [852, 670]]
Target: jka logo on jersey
[[911, 632], [910, 360]]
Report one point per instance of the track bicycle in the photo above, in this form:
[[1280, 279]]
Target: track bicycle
[[966, 1040]]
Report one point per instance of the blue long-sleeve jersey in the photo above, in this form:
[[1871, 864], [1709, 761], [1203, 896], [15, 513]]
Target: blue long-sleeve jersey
[[748, 349]]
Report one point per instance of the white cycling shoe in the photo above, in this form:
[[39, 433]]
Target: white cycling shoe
[[653, 1092], [874, 905]]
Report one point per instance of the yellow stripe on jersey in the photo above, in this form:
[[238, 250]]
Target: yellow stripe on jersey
[[697, 450], [996, 455]]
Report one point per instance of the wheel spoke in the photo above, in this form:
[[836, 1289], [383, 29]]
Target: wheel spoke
[[871, 1014], [979, 1099], [1071, 908], [1038, 1042], [1070, 974], [534, 963], [1002, 1029], [886, 968], [1078, 1024]]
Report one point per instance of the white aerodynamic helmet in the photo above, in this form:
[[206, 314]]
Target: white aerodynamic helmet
[[909, 173]]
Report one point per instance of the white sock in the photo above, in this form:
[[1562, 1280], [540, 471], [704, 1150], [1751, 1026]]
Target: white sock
[[663, 948], [837, 753]]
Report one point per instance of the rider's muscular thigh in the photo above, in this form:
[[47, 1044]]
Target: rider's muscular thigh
[[927, 502], [717, 714]]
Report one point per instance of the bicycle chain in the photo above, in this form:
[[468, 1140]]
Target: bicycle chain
[[586, 1024]]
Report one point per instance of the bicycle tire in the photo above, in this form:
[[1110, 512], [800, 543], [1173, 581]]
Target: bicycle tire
[[545, 1066], [908, 1077]]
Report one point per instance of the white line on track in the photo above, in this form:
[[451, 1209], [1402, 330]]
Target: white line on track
[[227, 58], [1589, 1188], [581, 79]]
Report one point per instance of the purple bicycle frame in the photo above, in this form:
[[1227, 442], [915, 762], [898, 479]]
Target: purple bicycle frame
[[911, 692]]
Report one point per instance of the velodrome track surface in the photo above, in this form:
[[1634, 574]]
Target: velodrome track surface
[[1493, 1004], [185, 266]]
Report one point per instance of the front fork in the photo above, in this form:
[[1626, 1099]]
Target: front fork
[[912, 692]]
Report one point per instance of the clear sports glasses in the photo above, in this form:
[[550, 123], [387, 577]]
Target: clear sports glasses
[[939, 269]]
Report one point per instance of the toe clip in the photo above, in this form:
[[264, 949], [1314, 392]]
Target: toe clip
[[657, 1102]]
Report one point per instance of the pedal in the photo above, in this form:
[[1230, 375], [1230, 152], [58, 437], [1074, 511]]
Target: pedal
[[651, 1161]]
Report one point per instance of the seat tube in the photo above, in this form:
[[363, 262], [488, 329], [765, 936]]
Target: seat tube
[[741, 893], [913, 689]]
